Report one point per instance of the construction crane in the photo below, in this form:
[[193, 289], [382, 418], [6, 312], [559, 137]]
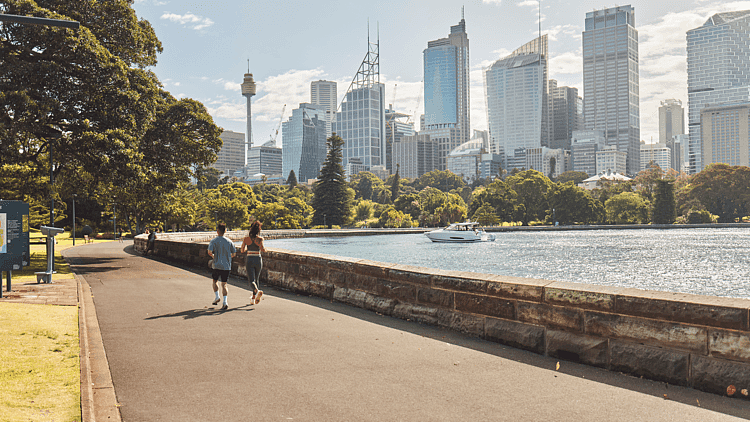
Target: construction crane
[[275, 133], [419, 100]]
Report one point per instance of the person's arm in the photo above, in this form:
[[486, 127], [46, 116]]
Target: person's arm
[[244, 243], [234, 250], [209, 251], [260, 244]]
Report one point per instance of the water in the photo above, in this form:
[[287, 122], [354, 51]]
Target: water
[[700, 261]]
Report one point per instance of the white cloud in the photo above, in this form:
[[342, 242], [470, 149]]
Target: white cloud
[[573, 31], [197, 22], [528, 3], [498, 2]]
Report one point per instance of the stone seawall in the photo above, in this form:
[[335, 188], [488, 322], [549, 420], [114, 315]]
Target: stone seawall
[[689, 340]]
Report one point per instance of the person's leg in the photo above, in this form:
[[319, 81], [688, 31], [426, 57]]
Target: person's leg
[[257, 266], [215, 277], [224, 279]]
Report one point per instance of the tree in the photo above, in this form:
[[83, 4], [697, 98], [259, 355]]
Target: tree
[[498, 195], [533, 189], [332, 197], [230, 211], [363, 210], [485, 215], [665, 210], [395, 183], [207, 178], [291, 181], [84, 99], [723, 190], [572, 204], [367, 186], [394, 218], [626, 208], [409, 204], [577, 177], [444, 181]]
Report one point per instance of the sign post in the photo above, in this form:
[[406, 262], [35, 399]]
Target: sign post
[[14, 238]]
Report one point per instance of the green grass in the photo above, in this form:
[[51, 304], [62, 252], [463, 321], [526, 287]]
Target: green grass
[[39, 363]]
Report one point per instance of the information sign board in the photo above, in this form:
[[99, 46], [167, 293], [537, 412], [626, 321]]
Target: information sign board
[[14, 235]]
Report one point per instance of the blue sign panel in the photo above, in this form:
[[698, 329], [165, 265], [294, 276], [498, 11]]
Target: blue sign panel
[[14, 235]]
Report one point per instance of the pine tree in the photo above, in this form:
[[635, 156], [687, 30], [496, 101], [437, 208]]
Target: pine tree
[[395, 185], [331, 200], [665, 210], [291, 181]]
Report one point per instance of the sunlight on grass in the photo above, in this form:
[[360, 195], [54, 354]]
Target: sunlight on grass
[[39, 363]]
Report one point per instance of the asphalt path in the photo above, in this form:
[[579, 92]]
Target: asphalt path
[[175, 357]]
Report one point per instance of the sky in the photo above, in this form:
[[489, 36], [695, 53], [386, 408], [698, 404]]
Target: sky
[[207, 45]]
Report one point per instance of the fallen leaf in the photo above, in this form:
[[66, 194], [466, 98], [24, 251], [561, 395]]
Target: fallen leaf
[[665, 397], [731, 390], [744, 392], [699, 403], [557, 367]]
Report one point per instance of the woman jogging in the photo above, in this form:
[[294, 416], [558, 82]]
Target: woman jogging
[[253, 261]]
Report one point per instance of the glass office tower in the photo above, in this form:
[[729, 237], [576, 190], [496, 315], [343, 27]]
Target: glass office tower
[[446, 91], [718, 59], [515, 89], [304, 142], [610, 80]]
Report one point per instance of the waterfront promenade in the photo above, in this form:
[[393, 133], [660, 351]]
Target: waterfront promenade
[[175, 357]]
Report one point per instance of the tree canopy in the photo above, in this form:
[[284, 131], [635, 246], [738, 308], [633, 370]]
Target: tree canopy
[[332, 196]]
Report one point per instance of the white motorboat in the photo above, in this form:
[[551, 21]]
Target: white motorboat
[[461, 232]]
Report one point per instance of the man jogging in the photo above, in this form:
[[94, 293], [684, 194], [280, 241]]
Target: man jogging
[[222, 251]]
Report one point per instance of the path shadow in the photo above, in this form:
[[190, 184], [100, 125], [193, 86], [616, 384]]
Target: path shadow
[[195, 313], [85, 266]]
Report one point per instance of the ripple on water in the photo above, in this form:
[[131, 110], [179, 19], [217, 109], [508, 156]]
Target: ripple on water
[[699, 261]]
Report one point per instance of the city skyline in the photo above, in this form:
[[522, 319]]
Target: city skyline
[[217, 44]]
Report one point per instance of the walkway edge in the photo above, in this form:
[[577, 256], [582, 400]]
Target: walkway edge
[[98, 399]]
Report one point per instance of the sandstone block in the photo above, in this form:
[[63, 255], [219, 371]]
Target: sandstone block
[[715, 375], [729, 344], [578, 348], [485, 305], [395, 290], [400, 273], [418, 313], [349, 296], [319, 288], [648, 331], [650, 362], [550, 316], [530, 292], [380, 304], [463, 323], [683, 311], [515, 334], [442, 298], [466, 285], [569, 294]]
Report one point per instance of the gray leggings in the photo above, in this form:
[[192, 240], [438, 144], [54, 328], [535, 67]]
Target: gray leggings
[[253, 264]]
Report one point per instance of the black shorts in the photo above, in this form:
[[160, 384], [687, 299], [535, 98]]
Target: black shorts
[[224, 274]]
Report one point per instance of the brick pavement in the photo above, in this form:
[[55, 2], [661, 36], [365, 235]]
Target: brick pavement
[[59, 292]]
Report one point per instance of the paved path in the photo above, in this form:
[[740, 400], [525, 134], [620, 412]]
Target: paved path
[[175, 357]]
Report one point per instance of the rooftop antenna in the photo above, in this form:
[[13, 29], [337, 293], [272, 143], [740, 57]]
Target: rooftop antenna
[[462, 12], [248, 65]]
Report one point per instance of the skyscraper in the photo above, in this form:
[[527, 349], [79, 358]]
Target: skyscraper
[[324, 94], [361, 120], [304, 142], [233, 153], [610, 80], [566, 112], [517, 106], [396, 127], [265, 159], [718, 59], [671, 120], [446, 91], [248, 90]]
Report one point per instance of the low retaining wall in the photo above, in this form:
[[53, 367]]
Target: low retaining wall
[[697, 341]]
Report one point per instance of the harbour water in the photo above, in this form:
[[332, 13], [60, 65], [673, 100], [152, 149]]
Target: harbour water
[[708, 261]]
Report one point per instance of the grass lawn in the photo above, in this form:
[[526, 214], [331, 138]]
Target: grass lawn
[[39, 363]]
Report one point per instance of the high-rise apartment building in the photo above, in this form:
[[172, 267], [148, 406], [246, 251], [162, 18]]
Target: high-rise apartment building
[[671, 120], [397, 125], [583, 149], [415, 155], [324, 94], [725, 134], [517, 105], [718, 59], [609, 159], [361, 120], [233, 153], [660, 154], [566, 112], [610, 80], [446, 91], [265, 159], [304, 142]]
